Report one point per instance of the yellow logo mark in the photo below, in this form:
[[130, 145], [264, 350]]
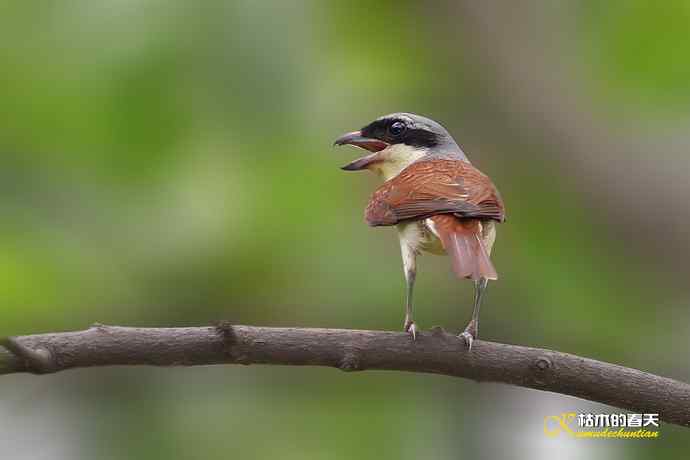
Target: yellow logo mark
[[554, 424]]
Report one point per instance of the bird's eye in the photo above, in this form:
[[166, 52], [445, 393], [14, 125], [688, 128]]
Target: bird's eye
[[397, 128]]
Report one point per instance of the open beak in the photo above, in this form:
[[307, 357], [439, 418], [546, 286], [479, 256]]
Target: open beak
[[373, 145]]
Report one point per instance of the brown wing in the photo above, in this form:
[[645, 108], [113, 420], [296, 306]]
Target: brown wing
[[431, 187]]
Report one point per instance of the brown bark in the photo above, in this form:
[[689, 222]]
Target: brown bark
[[351, 350]]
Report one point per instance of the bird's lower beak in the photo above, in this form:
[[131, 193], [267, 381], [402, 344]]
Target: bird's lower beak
[[373, 145]]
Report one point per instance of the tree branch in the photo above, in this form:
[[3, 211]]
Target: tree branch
[[434, 352]]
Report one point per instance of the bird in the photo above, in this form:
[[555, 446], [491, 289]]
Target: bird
[[440, 203]]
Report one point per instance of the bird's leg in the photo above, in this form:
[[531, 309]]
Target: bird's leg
[[409, 256], [471, 332], [410, 325]]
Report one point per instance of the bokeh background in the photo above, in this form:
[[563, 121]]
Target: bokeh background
[[169, 163]]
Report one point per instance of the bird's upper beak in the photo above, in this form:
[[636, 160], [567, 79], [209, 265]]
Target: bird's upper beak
[[373, 145]]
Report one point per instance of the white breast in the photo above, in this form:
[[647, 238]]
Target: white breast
[[420, 237]]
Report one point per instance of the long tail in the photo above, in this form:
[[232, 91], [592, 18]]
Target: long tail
[[462, 240]]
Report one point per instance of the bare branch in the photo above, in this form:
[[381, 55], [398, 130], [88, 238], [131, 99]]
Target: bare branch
[[434, 352]]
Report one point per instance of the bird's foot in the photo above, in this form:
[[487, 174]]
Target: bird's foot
[[470, 334], [410, 327]]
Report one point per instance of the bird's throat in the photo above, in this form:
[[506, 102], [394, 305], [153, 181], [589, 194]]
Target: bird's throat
[[396, 158]]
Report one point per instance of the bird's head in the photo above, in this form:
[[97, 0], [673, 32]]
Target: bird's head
[[398, 140]]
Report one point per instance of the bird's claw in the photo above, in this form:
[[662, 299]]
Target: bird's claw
[[411, 327], [469, 334], [467, 337]]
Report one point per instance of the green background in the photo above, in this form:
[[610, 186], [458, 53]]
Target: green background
[[165, 163]]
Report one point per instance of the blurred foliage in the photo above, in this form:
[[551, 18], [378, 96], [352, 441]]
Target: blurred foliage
[[638, 51], [166, 163]]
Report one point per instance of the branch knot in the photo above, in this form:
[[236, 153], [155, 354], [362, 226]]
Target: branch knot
[[37, 360], [350, 361], [543, 364]]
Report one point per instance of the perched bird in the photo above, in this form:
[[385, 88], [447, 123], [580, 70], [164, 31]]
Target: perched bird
[[439, 202]]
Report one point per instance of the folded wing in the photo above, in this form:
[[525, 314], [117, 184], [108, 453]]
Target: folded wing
[[433, 187]]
